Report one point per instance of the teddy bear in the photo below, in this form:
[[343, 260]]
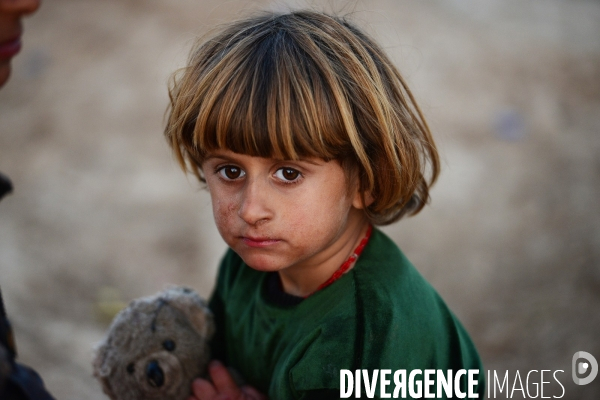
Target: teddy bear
[[156, 347]]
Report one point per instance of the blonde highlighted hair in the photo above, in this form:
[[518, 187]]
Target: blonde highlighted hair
[[305, 84]]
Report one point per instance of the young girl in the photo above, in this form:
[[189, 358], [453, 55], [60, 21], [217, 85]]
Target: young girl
[[307, 136]]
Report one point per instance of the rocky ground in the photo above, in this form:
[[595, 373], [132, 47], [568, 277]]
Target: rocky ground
[[100, 210]]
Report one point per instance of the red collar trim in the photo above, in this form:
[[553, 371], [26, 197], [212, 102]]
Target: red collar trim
[[346, 265]]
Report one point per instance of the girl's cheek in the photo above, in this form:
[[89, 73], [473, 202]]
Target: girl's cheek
[[223, 211]]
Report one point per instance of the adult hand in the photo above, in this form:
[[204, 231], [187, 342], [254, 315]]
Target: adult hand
[[222, 387]]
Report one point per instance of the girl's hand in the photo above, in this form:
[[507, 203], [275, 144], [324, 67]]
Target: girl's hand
[[222, 387]]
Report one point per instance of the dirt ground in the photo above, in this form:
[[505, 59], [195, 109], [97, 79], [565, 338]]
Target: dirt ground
[[100, 211]]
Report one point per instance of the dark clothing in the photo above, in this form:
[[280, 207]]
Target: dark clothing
[[5, 185], [17, 381]]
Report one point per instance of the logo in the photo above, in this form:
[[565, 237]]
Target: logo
[[581, 367]]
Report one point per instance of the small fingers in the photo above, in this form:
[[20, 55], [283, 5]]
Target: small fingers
[[203, 390], [224, 383]]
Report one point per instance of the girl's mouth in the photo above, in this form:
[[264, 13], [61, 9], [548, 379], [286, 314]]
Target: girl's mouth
[[258, 241], [10, 48]]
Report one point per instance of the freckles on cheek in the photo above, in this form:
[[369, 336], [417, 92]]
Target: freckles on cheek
[[223, 211]]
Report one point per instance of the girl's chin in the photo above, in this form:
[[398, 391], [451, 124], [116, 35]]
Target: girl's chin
[[262, 263]]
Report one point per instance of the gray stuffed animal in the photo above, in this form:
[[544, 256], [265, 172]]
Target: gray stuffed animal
[[156, 347]]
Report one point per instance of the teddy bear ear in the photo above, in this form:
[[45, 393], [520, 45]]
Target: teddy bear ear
[[194, 307], [103, 361], [203, 323]]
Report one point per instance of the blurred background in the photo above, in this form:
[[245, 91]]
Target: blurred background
[[101, 213]]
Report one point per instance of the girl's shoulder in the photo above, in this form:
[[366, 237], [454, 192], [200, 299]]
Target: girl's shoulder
[[384, 274], [397, 306]]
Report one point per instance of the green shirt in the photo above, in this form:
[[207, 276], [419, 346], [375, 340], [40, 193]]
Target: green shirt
[[382, 314]]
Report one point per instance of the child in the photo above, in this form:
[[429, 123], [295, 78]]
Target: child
[[306, 136]]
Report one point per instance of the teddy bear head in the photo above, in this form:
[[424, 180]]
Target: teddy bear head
[[156, 347]]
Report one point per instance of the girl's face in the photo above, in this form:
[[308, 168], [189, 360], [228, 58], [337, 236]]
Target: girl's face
[[11, 12], [283, 215]]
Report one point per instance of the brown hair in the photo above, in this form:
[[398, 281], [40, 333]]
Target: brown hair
[[299, 85]]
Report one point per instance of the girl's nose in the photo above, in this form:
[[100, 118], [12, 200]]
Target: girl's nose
[[22, 7], [255, 206]]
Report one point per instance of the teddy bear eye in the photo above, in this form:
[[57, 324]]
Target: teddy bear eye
[[169, 345], [130, 368]]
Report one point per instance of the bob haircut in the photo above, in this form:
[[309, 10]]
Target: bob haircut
[[300, 85]]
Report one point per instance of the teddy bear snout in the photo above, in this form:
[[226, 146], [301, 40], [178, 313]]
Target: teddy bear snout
[[159, 373], [155, 374]]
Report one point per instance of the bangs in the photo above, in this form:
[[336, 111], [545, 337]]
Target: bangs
[[265, 96]]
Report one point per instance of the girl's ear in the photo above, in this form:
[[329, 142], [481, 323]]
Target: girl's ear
[[362, 200]]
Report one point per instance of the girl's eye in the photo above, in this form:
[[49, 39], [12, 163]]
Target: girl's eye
[[287, 174], [231, 172]]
